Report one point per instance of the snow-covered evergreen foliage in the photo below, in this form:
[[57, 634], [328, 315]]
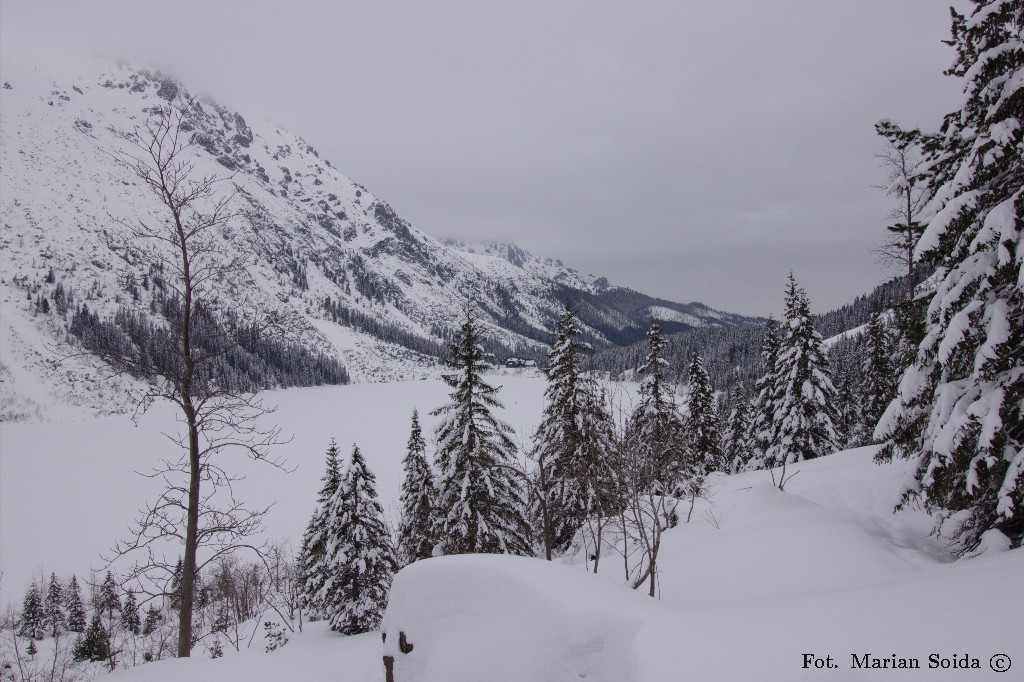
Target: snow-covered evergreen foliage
[[174, 592], [702, 427], [480, 493], [152, 620], [95, 644], [656, 425], [130, 619], [360, 559], [571, 443], [32, 623], [74, 606], [53, 606], [845, 358], [959, 408], [804, 426], [736, 444], [312, 555], [878, 386], [107, 599], [418, 499], [766, 399]]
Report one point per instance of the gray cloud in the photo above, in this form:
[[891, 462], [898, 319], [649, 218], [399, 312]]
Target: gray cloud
[[693, 150]]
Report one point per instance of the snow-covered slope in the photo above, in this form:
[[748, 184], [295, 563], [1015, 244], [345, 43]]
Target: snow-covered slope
[[757, 579], [314, 243]]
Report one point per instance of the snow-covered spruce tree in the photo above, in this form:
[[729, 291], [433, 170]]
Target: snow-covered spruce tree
[[312, 555], [107, 599], [480, 491], [766, 400], [878, 386], [736, 445], [656, 426], [569, 445], [416, 530], [805, 412], [849, 421], [601, 486], [360, 559], [95, 644], [130, 619], [74, 606], [175, 588], [53, 606], [32, 623], [702, 427], [152, 621], [958, 413]]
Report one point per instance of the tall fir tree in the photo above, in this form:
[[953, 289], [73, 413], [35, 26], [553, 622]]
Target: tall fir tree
[[130, 619], [418, 499], [32, 623], [108, 600], [313, 553], [174, 592], [703, 429], [763, 423], [656, 425], [595, 471], [53, 606], [360, 557], [958, 414], [805, 427], [849, 421], [95, 644], [878, 386], [74, 606], [736, 444], [480, 495], [570, 444], [152, 621]]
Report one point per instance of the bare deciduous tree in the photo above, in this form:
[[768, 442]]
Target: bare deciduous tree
[[902, 163], [197, 505]]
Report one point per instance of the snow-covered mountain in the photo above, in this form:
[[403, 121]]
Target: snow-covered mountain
[[359, 280]]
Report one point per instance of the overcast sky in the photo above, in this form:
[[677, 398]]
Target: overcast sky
[[695, 151]]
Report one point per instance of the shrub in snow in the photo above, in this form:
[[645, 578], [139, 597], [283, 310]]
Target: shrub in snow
[[275, 636]]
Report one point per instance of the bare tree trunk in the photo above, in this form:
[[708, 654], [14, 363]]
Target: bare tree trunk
[[910, 250], [188, 570]]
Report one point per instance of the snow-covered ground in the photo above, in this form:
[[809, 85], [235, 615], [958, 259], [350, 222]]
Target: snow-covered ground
[[759, 585]]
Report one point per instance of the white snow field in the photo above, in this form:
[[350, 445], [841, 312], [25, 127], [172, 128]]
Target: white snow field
[[759, 585]]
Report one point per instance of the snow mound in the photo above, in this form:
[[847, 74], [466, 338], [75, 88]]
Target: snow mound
[[489, 617]]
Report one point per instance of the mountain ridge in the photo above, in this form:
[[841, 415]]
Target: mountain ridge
[[359, 280]]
